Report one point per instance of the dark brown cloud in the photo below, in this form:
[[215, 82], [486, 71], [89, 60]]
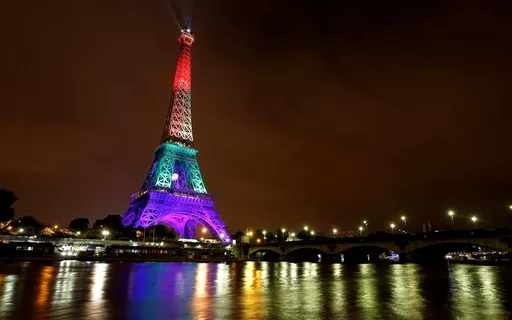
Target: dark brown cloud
[[303, 112]]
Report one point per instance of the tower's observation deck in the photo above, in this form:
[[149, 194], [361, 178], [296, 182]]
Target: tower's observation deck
[[173, 192]]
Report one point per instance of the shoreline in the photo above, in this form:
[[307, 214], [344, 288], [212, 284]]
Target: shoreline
[[149, 259]]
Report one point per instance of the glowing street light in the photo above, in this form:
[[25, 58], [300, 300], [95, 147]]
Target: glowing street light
[[78, 233], [451, 214], [105, 234], [334, 231], [365, 222], [306, 228], [312, 232], [292, 234], [258, 240], [204, 230], [360, 231], [404, 219], [283, 230], [21, 230], [392, 225], [474, 219], [55, 227], [510, 207]]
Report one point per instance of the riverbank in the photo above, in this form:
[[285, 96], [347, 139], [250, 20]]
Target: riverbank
[[112, 259]]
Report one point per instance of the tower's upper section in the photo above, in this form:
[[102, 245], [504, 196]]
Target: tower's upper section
[[178, 125]]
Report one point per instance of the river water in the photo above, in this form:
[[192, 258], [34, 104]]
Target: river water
[[253, 290]]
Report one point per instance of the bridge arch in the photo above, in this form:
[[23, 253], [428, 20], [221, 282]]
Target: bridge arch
[[365, 252], [385, 246], [307, 253], [436, 250], [185, 224], [266, 254]]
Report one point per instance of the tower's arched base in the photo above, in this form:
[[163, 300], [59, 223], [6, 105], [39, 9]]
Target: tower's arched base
[[183, 211]]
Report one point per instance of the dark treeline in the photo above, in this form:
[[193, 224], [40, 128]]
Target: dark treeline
[[79, 227]]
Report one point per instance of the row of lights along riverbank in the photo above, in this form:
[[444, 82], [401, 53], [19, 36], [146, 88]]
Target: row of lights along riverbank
[[364, 227]]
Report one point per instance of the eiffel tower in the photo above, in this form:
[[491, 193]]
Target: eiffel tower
[[174, 193]]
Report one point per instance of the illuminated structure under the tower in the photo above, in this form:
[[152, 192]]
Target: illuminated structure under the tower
[[174, 192]]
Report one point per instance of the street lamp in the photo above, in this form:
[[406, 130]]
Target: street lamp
[[292, 234], [105, 233], [392, 225], [55, 227], [404, 219], [365, 222], [360, 231], [21, 230], [474, 219], [264, 234], [451, 213], [204, 230], [312, 232], [306, 228], [258, 240], [334, 231], [78, 233]]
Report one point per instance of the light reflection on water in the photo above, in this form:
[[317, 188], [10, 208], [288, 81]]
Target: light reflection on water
[[253, 290]]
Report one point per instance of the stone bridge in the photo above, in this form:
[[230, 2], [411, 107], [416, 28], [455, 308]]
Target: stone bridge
[[403, 245]]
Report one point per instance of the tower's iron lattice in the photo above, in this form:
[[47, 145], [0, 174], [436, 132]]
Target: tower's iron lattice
[[174, 192]]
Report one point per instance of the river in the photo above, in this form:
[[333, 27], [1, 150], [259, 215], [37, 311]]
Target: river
[[253, 290]]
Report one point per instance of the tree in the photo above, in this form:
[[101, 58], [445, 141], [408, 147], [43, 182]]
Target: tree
[[79, 224], [30, 223], [112, 223], [163, 233], [7, 199]]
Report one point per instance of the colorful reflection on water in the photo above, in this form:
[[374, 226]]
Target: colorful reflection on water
[[253, 290]]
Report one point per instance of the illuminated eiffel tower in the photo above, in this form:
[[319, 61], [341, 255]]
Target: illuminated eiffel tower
[[174, 193]]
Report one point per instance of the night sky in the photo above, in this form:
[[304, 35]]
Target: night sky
[[303, 111]]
